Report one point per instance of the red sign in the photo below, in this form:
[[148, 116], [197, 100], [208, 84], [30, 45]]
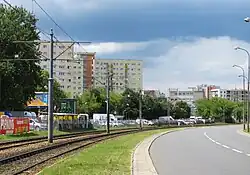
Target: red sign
[[11, 125], [6, 125], [21, 125]]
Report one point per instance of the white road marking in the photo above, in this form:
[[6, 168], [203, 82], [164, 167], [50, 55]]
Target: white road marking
[[217, 143], [225, 146], [238, 151]]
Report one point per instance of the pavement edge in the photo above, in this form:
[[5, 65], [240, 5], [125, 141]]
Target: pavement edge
[[144, 146], [243, 133]]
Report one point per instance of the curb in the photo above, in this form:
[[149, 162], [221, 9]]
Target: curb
[[133, 157]]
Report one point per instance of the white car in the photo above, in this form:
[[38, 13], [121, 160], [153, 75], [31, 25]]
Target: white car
[[37, 126]]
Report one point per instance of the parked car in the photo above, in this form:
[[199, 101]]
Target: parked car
[[37, 126]]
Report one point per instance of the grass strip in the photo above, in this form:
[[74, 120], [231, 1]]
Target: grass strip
[[106, 158], [29, 135]]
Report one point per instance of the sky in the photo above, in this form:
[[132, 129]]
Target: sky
[[182, 42]]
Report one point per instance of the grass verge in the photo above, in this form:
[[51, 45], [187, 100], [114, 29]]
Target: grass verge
[[110, 157], [246, 131], [29, 135]]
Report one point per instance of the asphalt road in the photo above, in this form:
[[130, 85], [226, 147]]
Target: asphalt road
[[202, 151]]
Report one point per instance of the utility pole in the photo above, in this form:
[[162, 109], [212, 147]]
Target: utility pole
[[107, 101], [51, 83], [140, 108]]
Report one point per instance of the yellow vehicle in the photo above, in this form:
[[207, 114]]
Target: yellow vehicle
[[67, 121]]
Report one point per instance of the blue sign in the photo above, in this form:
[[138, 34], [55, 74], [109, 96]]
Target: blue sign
[[43, 96]]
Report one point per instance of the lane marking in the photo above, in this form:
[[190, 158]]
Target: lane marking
[[217, 143], [224, 146], [238, 151]]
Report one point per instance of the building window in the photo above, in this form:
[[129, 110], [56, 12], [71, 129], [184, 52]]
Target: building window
[[61, 47], [44, 46], [69, 80], [61, 73]]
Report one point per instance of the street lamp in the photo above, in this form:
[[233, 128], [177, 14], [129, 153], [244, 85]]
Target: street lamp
[[244, 92], [248, 83], [247, 19]]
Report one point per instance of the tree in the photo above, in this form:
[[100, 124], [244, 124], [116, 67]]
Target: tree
[[58, 93], [88, 102], [238, 111], [204, 108], [181, 110], [18, 79], [115, 101], [218, 108]]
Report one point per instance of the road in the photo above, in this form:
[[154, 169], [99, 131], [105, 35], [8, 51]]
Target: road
[[207, 151]]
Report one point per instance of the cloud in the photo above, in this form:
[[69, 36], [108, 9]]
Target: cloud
[[112, 47], [86, 6], [184, 62]]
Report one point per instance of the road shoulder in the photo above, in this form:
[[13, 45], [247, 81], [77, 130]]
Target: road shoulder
[[142, 163], [243, 133]]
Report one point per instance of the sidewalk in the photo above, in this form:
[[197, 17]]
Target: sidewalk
[[141, 160]]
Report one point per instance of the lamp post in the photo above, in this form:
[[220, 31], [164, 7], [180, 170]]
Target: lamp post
[[248, 83], [244, 92]]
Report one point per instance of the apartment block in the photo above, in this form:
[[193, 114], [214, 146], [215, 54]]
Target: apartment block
[[72, 70], [126, 74], [87, 60], [189, 96], [230, 94]]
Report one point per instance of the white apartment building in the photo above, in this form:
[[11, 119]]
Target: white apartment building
[[229, 94], [189, 96], [67, 72], [126, 74]]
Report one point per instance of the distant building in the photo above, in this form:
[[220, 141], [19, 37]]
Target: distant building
[[74, 71], [229, 94], [189, 96], [154, 93], [126, 74]]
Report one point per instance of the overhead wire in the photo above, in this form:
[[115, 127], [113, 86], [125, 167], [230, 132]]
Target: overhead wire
[[54, 21]]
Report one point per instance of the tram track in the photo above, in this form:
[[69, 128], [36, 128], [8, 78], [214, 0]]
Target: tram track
[[13, 148], [24, 162]]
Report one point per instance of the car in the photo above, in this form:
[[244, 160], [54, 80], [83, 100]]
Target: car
[[37, 126]]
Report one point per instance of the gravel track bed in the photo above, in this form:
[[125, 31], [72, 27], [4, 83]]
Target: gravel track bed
[[11, 168], [17, 150]]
